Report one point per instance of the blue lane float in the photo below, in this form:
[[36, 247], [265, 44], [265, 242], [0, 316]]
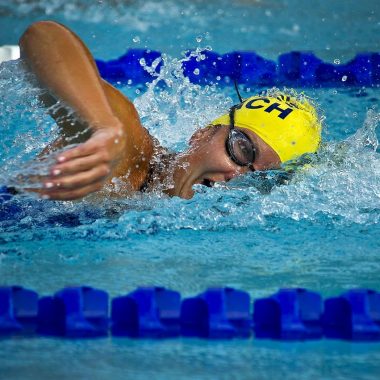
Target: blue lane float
[[355, 315], [18, 310], [74, 312], [217, 313], [297, 69], [129, 67], [150, 312], [290, 314]]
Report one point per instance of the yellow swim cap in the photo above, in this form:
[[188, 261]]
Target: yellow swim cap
[[290, 126]]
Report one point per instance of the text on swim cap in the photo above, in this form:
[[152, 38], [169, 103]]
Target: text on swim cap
[[284, 112]]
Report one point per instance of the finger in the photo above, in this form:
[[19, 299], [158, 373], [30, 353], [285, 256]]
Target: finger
[[82, 150], [98, 141], [76, 165], [78, 180], [69, 195]]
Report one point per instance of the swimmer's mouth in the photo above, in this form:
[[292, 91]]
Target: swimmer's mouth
[[208, 183]]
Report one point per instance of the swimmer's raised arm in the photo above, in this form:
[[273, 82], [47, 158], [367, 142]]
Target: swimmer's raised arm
[[65, 67], [63, 64]]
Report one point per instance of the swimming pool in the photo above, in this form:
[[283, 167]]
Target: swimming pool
[[318, 232]]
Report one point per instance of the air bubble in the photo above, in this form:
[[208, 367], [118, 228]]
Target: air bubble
[[337, 61], [218, 77], [198, 39], [136, 39], [196, 72], [344, 78]]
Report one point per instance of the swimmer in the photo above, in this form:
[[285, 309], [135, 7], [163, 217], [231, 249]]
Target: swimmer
[[260, 133]]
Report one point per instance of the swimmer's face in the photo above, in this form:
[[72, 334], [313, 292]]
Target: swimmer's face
[[207, 160]]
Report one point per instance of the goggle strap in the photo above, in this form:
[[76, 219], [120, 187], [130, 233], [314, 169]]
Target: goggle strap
[[232, 117], [237, 91]]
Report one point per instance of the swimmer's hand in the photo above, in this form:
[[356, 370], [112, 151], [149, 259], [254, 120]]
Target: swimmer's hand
[[84, 169]]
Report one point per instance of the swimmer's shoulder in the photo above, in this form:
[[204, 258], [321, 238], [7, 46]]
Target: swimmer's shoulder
[[139, 144]]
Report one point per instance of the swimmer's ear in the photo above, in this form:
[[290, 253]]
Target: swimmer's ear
[[201, 134], [197, 135]]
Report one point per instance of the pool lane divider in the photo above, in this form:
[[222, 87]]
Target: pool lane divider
[[296, 69], [217, 313]]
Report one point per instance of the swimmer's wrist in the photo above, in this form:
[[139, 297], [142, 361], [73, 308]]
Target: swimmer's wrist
[[113, 124]]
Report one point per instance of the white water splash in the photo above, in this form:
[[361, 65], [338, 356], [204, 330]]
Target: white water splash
[[342, 183]]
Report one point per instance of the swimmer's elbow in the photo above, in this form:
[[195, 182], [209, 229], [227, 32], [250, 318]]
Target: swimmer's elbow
[[36, 33]]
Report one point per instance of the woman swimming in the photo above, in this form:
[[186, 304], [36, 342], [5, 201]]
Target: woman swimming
[[258, 134]]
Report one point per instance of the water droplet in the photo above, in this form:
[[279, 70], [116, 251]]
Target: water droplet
[[296, 28], [196, 71], [337, 61], [344, 78], [198, 39], [136, 39]]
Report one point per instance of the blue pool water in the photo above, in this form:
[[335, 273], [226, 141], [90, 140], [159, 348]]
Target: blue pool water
[[319, 232]]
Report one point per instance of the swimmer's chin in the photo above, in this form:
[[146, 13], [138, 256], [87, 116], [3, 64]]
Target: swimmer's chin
[[187, 193], [184, 192]]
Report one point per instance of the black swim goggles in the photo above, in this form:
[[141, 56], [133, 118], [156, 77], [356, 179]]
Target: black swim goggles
[[238, 145]]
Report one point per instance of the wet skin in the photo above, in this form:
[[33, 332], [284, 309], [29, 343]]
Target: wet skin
[[118, 145], [207, 159]]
